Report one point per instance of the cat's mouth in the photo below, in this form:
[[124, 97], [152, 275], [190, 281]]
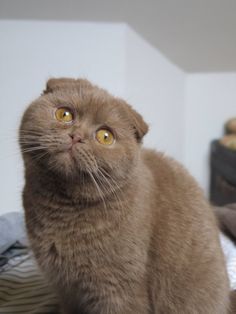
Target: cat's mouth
[[73, 148], [67, 151], [71, 144], [74, 158], [68, 148]]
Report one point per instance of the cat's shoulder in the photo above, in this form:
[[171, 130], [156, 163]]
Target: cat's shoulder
[[160, 159], [166, 168]]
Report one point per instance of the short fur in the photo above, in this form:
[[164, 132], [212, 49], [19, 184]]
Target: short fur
[[117, 229]]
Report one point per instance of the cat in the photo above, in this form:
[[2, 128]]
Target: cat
[[116, 228]]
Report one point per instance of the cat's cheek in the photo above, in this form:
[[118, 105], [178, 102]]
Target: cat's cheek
[[119, 163]]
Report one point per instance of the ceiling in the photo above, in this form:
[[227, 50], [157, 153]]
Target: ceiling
[[196, 35]]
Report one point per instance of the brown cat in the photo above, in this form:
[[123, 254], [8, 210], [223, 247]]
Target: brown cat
[[117, 229]]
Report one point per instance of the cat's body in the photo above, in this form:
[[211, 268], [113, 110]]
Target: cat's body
[[146, 243]]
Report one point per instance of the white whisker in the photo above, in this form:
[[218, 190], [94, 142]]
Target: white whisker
[[98, 188]]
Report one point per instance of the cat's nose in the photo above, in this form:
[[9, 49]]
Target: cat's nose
[[76, 138]]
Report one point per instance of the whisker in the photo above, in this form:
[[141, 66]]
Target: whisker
[[39, 156], [112, 189], [98, 188], [104, 172], [32, 149]]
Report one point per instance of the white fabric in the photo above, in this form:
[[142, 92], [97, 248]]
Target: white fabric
[[229, 250]]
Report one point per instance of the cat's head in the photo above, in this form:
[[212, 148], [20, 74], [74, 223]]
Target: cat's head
[[76, 128]]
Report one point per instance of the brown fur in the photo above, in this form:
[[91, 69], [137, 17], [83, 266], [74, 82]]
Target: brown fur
[[146, 242]]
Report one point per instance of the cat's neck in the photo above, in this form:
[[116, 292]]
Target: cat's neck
[[82, 191]]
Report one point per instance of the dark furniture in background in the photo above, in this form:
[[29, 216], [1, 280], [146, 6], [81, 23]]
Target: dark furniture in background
[[223, 174]]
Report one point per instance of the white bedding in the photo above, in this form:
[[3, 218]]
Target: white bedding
[[229, 250]]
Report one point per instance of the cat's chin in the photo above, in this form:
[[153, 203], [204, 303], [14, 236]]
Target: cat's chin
[[65, 165]]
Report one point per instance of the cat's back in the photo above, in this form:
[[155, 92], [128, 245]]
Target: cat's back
[[177, 199], [169, 175], [185, 244]]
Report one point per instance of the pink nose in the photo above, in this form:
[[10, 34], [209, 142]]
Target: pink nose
[[76, 138]]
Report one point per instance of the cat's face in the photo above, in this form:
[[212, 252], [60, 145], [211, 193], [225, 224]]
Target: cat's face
[[77, 129]]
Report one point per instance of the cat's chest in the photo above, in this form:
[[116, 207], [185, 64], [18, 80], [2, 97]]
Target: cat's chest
[[83, 250], [79, 237], [82, 239], [87, 247]]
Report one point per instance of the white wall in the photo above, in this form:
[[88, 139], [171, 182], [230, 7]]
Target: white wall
[[210, 101], [111, 55], [156, 87]]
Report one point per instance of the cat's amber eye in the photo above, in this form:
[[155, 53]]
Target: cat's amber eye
[[105, 137], [64, 115]]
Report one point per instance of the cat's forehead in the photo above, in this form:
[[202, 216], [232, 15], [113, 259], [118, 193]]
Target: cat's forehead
[[95, 105]]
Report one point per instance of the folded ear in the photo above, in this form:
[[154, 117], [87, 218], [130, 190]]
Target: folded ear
[[54, 84], [58, 83], [139, 125]]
